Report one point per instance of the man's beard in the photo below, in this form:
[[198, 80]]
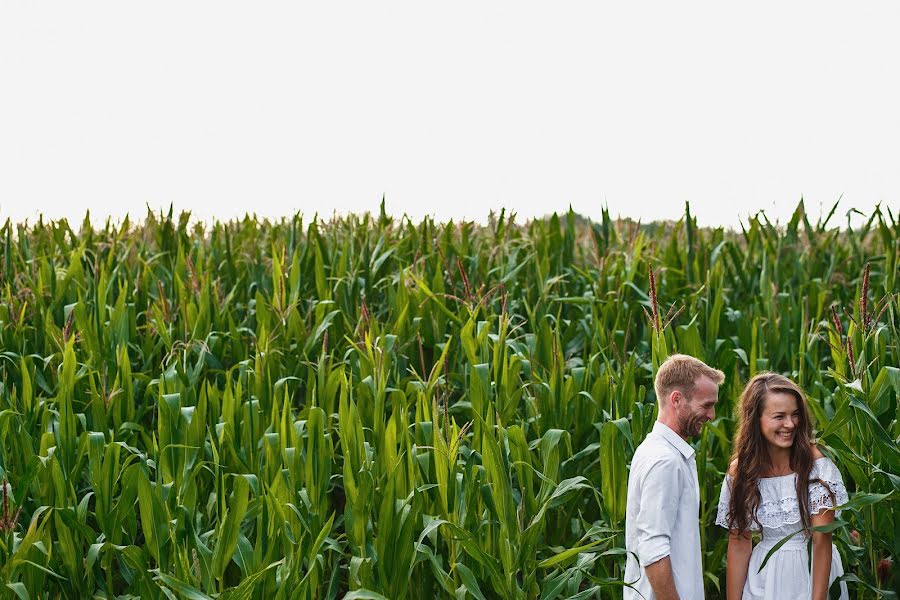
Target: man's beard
[[690, 425]]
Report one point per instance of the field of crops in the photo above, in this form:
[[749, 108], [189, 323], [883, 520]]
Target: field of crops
[[369, 407]]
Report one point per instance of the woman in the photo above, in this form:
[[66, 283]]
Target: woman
[[779, 483]]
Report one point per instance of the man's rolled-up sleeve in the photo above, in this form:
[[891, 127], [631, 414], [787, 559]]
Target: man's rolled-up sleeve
[[660, 493]]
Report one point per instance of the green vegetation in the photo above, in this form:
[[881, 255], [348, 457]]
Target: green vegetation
[[370, 408]]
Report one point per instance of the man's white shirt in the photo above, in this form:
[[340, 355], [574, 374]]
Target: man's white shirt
[[662, 517]]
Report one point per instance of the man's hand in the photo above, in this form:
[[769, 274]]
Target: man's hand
[[661, 579]]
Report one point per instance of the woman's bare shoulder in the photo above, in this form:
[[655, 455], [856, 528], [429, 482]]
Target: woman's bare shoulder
[[816, 453], [732, 468]]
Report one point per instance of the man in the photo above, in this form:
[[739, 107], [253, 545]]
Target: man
[[663, 510]]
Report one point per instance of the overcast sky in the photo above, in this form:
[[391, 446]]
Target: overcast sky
[[448, 109]]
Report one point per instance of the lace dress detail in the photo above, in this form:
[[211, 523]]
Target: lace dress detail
[[786, 576], [778, 504]]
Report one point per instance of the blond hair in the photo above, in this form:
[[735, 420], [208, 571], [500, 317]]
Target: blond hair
[[681, 372]]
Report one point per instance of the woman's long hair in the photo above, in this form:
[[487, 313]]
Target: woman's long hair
[[752, 455]]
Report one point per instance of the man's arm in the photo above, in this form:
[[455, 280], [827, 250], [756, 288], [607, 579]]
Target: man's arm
[[661, 580], [661, 489]]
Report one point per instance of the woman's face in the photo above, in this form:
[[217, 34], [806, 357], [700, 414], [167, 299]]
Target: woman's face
[[780, 419]]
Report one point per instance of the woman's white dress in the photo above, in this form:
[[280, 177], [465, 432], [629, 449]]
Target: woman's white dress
[[787, 574]]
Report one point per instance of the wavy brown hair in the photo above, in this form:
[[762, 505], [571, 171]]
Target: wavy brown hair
[[752, 456]]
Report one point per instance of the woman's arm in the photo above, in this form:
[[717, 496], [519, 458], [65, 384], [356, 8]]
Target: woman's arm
[[821, 558], [740, 546]]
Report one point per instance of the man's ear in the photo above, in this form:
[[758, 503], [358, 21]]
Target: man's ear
[[675, 398]]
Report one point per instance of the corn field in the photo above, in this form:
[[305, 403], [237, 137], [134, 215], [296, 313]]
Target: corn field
[[369, 407]]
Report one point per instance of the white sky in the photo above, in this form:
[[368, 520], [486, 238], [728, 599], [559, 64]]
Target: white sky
[[449, 109]]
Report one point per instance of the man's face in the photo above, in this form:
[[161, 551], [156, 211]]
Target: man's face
[[699, 408]]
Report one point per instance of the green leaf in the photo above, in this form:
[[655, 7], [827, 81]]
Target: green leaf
[[468, 578], [567, 554], [184, 590], [20, 590], [613, 474], [364, 594], [229, 530]]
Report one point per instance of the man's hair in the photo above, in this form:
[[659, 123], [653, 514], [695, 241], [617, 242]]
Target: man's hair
[[680, 372]]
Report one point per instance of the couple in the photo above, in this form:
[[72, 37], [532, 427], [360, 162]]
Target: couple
[[778, 483]]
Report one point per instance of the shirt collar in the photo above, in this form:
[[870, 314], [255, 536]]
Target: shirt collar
[[674, 439]]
